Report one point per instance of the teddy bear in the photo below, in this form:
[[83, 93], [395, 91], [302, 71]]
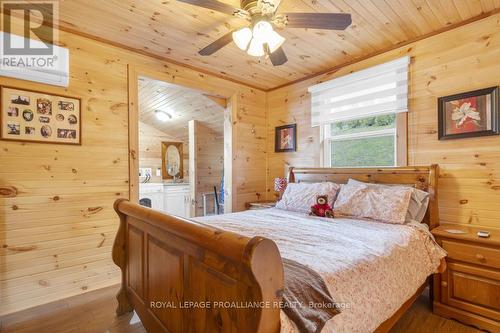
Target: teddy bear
[[321, 208]]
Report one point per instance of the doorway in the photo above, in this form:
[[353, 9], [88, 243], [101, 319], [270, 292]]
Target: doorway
[[198, 122]]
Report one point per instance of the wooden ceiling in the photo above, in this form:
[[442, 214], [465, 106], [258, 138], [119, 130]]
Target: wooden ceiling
[[182, 103], [174, 30]]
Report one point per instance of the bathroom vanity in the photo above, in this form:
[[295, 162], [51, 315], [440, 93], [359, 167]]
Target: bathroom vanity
[[171, 198]]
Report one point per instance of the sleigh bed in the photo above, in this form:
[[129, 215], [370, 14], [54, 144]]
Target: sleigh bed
[[175, 270]]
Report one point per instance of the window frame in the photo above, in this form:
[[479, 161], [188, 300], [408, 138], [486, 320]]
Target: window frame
[[401, 140]]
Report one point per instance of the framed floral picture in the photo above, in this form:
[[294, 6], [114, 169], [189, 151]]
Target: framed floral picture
[[469, 114], [35, 116], [285, 138]]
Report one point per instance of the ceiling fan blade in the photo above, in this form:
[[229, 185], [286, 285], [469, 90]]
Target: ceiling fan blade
[[217, 45], [278, 57], [219, 7], [330, 21]]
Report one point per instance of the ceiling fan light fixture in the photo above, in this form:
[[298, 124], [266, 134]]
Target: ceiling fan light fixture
[[256, 48], [162, 115], [260, 39], [263, 33], [242, 38], [274, 40], [261, 30]]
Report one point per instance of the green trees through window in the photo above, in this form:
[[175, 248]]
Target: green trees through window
[[364, 124]]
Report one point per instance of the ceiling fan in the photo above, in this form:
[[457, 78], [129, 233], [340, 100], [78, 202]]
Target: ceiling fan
[[259, 38]]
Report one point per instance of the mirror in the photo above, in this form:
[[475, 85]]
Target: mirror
[[172, 160]]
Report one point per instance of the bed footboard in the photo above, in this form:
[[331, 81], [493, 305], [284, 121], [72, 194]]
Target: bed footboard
[[182, 276]]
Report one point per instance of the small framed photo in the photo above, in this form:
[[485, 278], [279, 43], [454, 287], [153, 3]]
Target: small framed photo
[[36, 116], [285, 138], [66, 106], [13, 111], [469, 114], [20, 99]]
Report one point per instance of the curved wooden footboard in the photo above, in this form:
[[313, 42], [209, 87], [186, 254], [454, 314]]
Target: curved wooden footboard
[[183, 276]]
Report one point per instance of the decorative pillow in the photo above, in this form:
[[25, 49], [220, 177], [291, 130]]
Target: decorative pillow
[[418, 202], [299, 197], [386, 204]]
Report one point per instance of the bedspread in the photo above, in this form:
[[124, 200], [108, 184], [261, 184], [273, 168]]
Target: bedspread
[[370, 268]]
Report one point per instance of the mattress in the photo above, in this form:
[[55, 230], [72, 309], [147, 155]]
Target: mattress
[[370, 268]]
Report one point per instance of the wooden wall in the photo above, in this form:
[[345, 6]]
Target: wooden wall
[[209, 162], [56, 232], [150, 140], [459, 60], [57, 228]]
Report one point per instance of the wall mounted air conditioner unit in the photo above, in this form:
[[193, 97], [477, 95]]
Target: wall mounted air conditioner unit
[[50, 69]]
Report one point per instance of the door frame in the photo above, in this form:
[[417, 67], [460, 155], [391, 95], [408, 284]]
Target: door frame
[[192, 147], [202, 84]]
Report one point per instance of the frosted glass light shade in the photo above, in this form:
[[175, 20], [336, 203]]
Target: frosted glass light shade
[[274, 40], [261, 34], [261, 30], [242, 38], [256, 48]]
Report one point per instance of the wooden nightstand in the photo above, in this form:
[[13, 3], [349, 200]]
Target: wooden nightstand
[[260, 204], [469, 289]]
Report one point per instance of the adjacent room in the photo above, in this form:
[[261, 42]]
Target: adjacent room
[[292, 166], [181, 149]]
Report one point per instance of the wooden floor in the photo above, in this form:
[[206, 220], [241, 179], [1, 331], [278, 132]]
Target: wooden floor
[[95, 312]]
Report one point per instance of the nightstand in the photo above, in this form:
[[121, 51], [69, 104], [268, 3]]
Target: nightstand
[[260, 204], [469, 289]]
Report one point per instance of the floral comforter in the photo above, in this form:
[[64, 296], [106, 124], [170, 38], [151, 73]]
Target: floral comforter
[[370, 268]]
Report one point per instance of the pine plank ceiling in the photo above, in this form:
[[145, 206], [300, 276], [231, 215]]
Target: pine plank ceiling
[[182, 104], [177, 31]]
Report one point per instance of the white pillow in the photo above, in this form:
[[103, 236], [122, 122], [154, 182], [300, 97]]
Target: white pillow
[[380, 203], [299, 197], [418, 202]]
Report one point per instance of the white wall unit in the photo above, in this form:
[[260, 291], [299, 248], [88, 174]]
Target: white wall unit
[[49, 69]]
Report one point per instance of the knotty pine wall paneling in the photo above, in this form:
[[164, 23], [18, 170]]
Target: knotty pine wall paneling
[[57, 223], [463, 59]]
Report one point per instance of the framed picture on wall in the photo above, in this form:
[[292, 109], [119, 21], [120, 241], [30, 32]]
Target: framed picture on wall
[[469, 114], [35, 116], [285, 138]]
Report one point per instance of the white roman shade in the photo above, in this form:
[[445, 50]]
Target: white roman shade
[[374, 91]]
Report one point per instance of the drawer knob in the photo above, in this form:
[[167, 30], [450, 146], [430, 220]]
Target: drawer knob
[[444, 284], [480, 257]]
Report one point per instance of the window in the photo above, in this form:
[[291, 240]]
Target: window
[[365, 142], [362, 116]]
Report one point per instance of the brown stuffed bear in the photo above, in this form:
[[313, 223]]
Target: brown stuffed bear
[[321, 208]]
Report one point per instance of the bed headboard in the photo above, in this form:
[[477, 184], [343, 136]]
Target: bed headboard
[[422, 177]]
